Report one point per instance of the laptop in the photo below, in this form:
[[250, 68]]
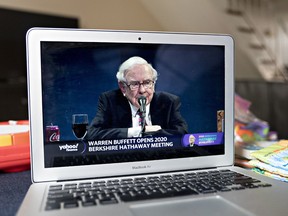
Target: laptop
[[182, 173]]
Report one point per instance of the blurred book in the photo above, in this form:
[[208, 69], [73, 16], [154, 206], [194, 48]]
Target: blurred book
[[244, 150], [272, 160]]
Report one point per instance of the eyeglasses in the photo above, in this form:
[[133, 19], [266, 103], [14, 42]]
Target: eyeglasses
[[135, 85]]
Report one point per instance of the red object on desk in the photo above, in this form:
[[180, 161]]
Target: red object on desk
[[16, 157]]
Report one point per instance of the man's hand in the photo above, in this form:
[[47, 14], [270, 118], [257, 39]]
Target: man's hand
[[152, 128]]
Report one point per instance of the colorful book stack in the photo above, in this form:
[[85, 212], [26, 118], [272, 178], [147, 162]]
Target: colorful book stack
[[272, 161]]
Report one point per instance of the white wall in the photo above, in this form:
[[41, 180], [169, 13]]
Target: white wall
[[156, 15], [101, 14], [208, 16]]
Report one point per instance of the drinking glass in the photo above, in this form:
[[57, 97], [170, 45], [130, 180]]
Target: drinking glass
[[79, 125]]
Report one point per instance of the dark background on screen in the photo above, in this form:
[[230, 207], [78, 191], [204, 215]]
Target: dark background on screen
[[75, 74]]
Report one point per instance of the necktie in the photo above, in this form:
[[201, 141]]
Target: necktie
[[141, 118]]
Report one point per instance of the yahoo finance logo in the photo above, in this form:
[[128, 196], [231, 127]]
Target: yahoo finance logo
[[69, 148]]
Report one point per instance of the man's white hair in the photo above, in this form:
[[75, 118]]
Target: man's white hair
[[129, 63]]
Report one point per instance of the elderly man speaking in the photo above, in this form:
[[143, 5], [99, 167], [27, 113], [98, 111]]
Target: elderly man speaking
[[135, 109]]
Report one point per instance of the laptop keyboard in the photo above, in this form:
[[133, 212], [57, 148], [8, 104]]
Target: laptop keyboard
[[93, 193]]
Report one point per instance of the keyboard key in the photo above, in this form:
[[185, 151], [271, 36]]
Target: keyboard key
[[71, 204], [55, 187], [52, 206], [88, 203]]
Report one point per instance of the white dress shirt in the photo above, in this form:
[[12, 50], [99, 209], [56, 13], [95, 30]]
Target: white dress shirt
[[135, 130]]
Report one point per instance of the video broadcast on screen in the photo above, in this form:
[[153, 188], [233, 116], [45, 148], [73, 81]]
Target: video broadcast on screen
[[120, 102]]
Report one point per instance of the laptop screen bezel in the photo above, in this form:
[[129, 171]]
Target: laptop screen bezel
[[40, 173]]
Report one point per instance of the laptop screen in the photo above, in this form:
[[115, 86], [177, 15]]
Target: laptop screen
[[88, 113]]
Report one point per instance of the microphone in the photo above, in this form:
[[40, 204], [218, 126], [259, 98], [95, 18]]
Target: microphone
[[142, 112], [142, 103]]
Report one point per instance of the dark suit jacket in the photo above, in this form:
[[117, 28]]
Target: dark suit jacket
[[113, 116]]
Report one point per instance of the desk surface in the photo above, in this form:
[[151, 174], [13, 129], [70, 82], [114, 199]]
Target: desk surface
[[13, 187]]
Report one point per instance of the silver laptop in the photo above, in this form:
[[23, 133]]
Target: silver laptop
[[84, 161]]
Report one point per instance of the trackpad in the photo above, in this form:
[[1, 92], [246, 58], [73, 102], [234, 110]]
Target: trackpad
[[197, 207]]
